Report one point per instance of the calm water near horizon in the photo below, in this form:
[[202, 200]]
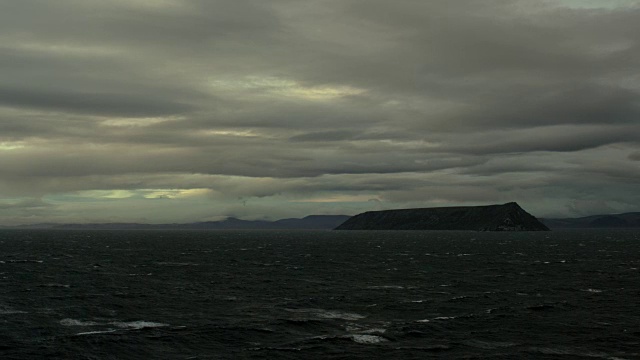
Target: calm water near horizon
[[319, 295]]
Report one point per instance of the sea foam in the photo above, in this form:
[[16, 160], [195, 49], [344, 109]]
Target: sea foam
[[74, 322], [137, 325], [367, 339]]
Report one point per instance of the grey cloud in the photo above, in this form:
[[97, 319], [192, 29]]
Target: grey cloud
[[90, 103], [188, 22], [611, 171], [25, 211], [412, 103], [28, 204], [451, 194], [549, 105], [353, 135], [324, 136], [461, 42], [581, 207], [502, 166], [553, 138]]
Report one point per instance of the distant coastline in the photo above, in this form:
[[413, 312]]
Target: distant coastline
[[311, 222], [611, 221], [629, 220]]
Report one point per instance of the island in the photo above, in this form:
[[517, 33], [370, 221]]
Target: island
[[505, 217]]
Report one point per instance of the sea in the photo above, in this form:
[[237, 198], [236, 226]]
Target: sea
[[319, 294]]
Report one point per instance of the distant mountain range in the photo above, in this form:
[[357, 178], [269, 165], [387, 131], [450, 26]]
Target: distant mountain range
[[311, 222], [328, 222], [627, 220]]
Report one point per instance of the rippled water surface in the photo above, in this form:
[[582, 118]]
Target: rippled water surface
[[319, 295]]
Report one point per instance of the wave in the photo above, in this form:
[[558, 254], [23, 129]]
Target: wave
[[354, 328], [170, 263], [96, 332], [390, 287], [134, 325], [594, 291], [488, 345], [74, 322], [11, 312], [357, 338], [431, 348], [575, 352], [137, 325], [55, 285], [328, 314], [366, 339]]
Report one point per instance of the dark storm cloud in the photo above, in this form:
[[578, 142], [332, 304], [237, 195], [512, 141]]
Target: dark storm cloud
[[324, 136], [96, 103], [135, 160], [160, 23], [26, 205], [552, 138], [528, 106], [409, 103]]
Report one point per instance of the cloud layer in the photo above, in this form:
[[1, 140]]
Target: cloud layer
[[172, 111]]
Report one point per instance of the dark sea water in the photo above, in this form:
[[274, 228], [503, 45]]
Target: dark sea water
[[319, 295]]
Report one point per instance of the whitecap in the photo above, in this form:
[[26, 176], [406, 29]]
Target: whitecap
[[367, 339], [56, 285], [96, 332], [352, 328], [11, 312], [396, 287], [326, 314], [357, 329], [137, 325], [74, 322], [595, 291], [329, 314]]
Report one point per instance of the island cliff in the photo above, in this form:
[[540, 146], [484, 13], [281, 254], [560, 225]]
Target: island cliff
[[506, 217]]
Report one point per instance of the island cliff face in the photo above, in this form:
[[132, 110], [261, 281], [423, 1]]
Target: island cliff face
[[506, 217]]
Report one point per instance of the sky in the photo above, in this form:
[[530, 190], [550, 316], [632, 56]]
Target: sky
[[163, 111]]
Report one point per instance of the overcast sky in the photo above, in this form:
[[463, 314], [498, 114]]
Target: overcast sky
[[193, 110]]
